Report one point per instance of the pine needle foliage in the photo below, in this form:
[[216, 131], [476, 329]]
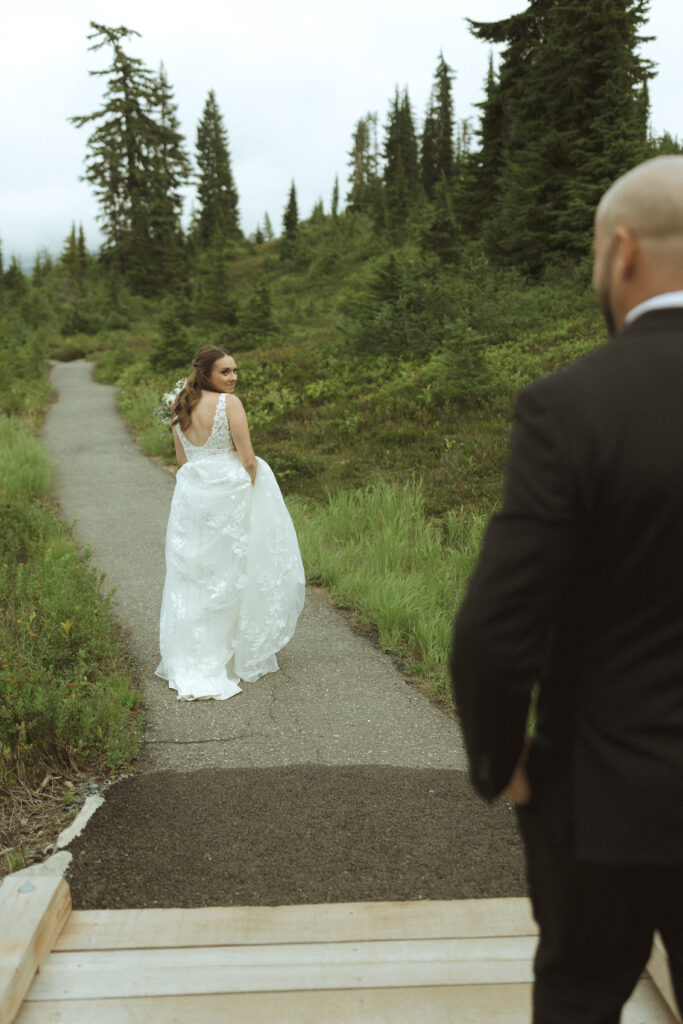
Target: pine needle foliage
[[216, 191], [571, 99], [136, 164]]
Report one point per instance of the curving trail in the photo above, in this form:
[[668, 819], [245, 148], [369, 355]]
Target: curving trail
[[337, 702]]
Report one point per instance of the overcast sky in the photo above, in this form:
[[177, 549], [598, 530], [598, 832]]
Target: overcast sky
[[291, 80]]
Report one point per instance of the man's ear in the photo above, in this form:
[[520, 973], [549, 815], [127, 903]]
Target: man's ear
[[626, 252]]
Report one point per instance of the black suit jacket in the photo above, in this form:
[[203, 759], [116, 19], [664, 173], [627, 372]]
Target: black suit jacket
[[579, 588]]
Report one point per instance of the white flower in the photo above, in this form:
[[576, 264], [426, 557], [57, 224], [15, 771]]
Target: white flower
[[163, 410]]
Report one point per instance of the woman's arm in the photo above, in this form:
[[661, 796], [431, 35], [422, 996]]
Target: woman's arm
[[179, 450], [239, 431]]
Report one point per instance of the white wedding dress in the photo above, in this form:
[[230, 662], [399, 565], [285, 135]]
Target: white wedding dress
[[234, 579]]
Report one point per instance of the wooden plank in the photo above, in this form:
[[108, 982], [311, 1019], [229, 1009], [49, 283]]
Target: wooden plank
[[658, 969], [477, 1004], [646, 1006], [466, 1004], [155, 972], [220, 926], [33, 910]]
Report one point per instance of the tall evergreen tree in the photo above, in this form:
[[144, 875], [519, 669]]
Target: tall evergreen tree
[[42, 266], [136, 162], [216, 187], [14, 280], [74, 260], [481, 171], [268, 229], [334, 205], [401, 169], [437, 157], [169, 169], [571, 88], [364, 165], [290, 224]]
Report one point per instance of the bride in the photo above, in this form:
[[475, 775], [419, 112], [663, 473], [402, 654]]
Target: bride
[[234, 580]]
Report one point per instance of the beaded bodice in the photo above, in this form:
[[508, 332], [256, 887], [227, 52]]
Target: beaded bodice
[[219, 441]]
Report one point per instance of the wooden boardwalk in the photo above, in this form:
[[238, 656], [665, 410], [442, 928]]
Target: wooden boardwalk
[[427, 962]]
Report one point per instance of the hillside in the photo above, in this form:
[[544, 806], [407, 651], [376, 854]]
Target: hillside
[[349, 385]]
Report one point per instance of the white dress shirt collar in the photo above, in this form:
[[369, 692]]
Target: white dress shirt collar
[[667, 300]]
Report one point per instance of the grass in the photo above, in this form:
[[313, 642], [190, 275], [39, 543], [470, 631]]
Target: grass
[[24, 465], [376, 552], [67, 702]]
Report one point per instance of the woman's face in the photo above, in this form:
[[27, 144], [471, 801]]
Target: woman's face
[[223, 376]]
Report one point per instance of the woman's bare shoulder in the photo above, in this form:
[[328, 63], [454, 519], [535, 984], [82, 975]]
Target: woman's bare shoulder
[[233, 402]]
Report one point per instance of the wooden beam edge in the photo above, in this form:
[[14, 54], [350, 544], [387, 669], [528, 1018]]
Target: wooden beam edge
[[334, 922], [46, 901]]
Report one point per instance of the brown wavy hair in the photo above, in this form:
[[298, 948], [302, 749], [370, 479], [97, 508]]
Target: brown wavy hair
[[198, 381]]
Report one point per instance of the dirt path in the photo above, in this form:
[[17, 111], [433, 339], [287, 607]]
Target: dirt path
[[336, 702]]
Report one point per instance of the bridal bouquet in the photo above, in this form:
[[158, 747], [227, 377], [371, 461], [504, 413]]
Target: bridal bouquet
[[163, 410]]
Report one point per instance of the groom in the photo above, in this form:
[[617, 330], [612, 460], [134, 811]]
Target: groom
[[579, 589]]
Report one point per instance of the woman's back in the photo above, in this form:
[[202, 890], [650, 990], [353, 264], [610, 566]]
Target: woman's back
[[201, 421]]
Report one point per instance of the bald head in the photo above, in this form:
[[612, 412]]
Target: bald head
[[648, 200], [639, 238]]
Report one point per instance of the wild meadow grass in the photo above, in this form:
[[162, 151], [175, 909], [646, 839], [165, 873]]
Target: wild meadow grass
[[66, 698], [378, 554], [24, 466]]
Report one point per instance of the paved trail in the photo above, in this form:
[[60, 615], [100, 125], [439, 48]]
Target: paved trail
[[336, 702]]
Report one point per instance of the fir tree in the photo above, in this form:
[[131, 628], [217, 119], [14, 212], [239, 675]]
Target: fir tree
[[14, 279], [290, 224], [364, 165], [664, 145], [437, 137], [74, 260], [401, 170], [318, 213], [482, 170], [268, 229], [42, 266], [136, 162], [334, 205], [169, 169], [216, 187], [571, 89]]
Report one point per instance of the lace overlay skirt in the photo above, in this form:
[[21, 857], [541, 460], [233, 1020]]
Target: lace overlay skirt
[[234, 579]]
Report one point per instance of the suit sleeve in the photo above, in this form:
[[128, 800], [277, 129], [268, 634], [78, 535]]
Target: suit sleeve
[[502, 633]]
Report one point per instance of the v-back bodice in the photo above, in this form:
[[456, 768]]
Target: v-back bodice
[[219, 441]]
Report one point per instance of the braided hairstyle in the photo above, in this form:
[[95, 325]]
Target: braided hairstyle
[[198, 381]]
